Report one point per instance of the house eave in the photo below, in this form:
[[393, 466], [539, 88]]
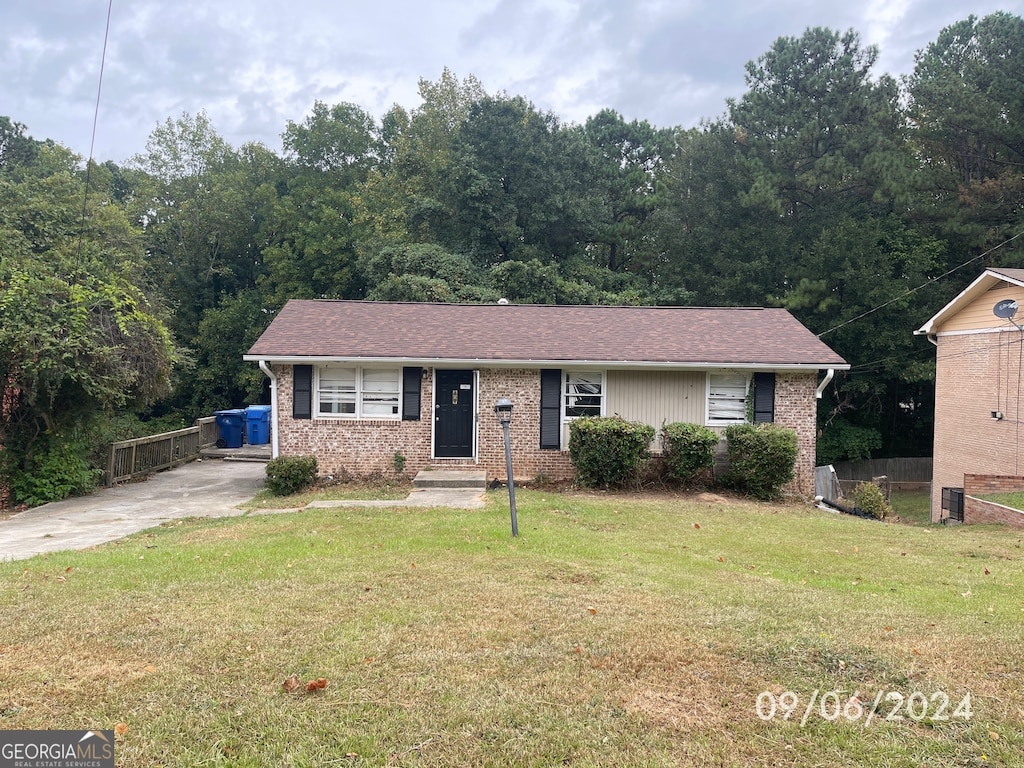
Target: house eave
[[536, 363], [979, 286]]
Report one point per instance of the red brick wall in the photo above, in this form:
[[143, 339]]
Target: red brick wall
[[979, 511], [970, 383], [344, 446], [351, 447], [796, 407]]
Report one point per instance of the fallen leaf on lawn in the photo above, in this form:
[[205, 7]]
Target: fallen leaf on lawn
[[993, 735], [721, 559], [987, 571], [121, 729], [150, 668], [316, 685], [856, 549], [290, 683], [888, 629], [368, 660], [915, 651], [697, 526], [69, 569], [592, 611], [351, 755], [412, 565]]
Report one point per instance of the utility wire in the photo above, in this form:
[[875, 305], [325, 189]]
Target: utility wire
[[923, 285], [95, 121]]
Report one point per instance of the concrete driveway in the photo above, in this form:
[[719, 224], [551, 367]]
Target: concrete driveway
[[209, 488]]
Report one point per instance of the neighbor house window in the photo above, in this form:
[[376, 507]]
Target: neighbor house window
[[584, 393], [360, 393], [727, 398]]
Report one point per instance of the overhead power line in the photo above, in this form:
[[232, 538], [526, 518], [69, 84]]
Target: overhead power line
[[862, 315], [95, 122]]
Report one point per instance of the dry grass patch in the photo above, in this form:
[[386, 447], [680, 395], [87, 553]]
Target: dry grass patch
[[615, 631]]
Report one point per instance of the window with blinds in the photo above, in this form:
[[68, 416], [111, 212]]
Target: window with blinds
[[727, 398], [361, 393]]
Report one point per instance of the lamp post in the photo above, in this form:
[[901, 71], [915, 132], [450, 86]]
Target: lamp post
[[504, 410]]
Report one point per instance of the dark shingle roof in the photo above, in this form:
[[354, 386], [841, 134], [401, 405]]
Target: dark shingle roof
[[529, 332]]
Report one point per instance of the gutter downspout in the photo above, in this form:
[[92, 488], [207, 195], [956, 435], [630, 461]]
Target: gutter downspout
[[829, 374], [274, 445]]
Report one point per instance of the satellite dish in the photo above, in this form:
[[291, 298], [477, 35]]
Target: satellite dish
[[1005, 309]]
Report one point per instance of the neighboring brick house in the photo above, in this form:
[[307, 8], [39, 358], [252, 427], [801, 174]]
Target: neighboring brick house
[[978, 390], [359, 383]]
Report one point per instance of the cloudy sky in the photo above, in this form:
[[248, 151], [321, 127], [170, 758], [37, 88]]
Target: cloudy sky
[[252, 65]]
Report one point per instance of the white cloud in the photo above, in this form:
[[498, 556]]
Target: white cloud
[[252, 65]]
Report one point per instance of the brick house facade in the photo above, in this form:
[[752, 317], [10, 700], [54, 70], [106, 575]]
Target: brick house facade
[[323, 357], [977, 389]]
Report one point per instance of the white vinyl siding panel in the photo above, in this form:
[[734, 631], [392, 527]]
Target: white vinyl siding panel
[[656, 397]]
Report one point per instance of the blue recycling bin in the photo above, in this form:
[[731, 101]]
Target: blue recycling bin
[[258, 424], [231, 425]]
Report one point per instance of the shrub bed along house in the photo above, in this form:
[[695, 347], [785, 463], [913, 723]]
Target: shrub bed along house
[[290, 474], [762, 458], [608, 451], [689, 450]]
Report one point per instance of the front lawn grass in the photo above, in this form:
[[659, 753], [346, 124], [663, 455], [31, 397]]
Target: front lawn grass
[[382, 489], [616, 630]]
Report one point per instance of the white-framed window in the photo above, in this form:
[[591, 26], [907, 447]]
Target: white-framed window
[[727, 398], [583, 394], [358, 393]]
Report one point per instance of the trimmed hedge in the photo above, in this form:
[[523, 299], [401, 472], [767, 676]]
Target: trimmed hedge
[[608, 451], [290, 474], [762, 458], [689, 450]]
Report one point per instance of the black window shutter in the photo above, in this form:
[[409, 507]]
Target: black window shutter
[[411, 382], [302, 392], [551, 408], [764, 398]]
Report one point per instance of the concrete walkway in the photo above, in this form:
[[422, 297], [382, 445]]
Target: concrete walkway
[[210, 488]]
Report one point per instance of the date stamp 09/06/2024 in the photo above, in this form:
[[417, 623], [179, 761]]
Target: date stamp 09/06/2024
[[851, 707]]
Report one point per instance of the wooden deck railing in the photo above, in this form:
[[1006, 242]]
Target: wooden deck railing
[[142, 455]]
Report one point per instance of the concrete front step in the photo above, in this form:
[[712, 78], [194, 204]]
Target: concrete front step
[[450, 478]]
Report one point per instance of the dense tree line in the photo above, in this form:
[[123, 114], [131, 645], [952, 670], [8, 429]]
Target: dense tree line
[[839, 193]]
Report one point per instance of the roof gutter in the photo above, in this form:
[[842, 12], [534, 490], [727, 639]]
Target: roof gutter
[[539, 363], [829, 375], [274, 446]]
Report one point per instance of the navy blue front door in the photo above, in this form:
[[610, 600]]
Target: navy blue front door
[[453, 414]]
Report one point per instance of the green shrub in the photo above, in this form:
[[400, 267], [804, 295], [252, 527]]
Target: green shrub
[[868, 497], [689, 450], [57, 466], [761, 459], [608, 451], [290, 474]]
